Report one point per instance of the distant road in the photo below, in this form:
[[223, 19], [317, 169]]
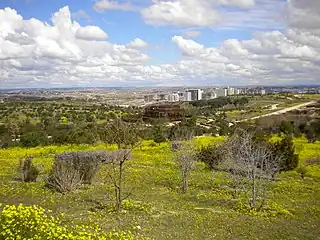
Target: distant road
[[280, 111]]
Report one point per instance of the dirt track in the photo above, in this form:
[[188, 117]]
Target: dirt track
[[280, 111]]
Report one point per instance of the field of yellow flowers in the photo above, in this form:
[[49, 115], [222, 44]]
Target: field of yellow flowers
[[155, 208]]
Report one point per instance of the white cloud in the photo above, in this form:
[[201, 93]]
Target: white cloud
[[181, 13], [103, 5], [64, 53], [138, 43], [304, 14], [200, 13], [91, 33], [34, 53], [188, 47]]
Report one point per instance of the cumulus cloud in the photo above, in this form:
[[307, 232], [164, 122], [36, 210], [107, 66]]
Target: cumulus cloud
[[138, 43], [103, 5], [34, 53], [91, 33], [189, 12], [181, 13], [64, 53], [304, 14]]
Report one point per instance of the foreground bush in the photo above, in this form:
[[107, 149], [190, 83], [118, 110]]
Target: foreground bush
[[211, 155], [71, 169], [32, 222], [28, 172]]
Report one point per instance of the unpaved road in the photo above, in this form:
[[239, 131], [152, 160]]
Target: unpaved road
[[280, 111]]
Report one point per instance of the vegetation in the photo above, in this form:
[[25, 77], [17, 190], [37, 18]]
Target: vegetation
[[155, 202], [98, 172]]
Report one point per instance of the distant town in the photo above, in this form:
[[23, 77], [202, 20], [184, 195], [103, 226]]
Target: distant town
[[142, 96]]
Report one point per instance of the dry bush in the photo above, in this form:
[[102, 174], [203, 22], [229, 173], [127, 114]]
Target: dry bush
[[86, 163], [313, 161], [28, 172], [64, 177], [73, 168]]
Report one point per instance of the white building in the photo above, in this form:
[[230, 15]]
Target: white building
[[194, 95], [221, 92], [173, 97], [230, 91], [187, 96]]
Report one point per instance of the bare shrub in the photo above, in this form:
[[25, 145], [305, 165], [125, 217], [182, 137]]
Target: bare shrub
[[64, 177], [86, 163], [73, 168], [28, 172], [313, 161]]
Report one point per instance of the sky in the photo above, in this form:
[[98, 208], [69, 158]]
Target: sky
[[112, 43]]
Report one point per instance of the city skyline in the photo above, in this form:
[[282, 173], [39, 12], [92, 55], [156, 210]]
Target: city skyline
[[109, 43]]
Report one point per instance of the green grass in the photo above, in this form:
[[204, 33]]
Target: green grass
[[156, 205]]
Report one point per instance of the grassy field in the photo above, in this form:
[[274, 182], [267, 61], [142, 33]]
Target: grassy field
[[157, 209]]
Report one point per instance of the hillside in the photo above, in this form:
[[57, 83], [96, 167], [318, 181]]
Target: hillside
[[155, 207]]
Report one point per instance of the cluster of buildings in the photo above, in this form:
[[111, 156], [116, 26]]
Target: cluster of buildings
[[199, 94]]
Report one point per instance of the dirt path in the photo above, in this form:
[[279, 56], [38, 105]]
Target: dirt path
[[280, 111]]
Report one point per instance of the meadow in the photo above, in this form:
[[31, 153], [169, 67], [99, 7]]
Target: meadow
[[155, 207]]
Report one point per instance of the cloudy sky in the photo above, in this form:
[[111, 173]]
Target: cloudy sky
[[74, 43]]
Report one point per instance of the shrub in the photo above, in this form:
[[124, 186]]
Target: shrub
[[285, 150], [86, 163], [73, 168], [302, 171], [64, 177], [313, 161], [211, 155], [32, 222], [28, 172]]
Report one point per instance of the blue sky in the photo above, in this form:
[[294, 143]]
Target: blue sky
[[184, 41]]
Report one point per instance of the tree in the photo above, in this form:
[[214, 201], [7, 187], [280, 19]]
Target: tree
[[33, 139], [158, 133], [286, 127], [126, 138], [285, 148], [253, 160], [185, 156], [211, 155], [121, 133]]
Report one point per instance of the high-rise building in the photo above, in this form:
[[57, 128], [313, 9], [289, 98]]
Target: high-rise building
[[221, 92], [187, 96], [194, 95], [230, 91]]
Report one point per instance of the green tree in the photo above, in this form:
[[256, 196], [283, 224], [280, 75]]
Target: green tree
[[159, 133], [285, 151]]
